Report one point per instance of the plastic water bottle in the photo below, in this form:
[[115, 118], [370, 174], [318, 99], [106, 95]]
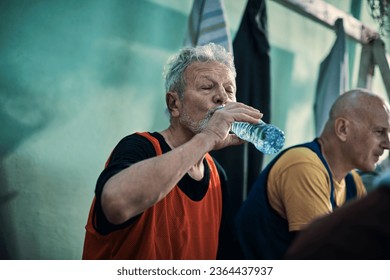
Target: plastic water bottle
[[267, 138]]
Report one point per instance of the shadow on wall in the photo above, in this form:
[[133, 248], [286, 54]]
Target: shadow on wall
[[5, 197], [54, 53], [21, 116]]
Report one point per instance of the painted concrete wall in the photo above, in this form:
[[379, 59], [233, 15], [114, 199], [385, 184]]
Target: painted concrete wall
[[77, 76]]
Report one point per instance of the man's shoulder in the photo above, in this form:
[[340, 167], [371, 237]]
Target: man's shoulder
[[296, 161], [299, 155]]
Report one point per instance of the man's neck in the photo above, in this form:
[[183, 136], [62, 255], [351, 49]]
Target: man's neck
[[332, 157]]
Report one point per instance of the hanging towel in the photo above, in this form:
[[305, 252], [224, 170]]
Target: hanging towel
[[333, 78], [207, 23]]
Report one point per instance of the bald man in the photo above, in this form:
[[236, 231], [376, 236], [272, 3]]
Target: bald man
[[311, 180]]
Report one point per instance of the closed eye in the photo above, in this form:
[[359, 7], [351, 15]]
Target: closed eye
[[229, 90], [206, 87], [380, 132]]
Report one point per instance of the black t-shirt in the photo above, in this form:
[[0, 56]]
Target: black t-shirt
[[135, 148]]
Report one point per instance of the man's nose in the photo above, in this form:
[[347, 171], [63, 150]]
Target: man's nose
[[386, 142], [220, 96]]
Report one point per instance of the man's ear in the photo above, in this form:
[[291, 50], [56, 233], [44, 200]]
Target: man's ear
[[173, 103], [342, 127]]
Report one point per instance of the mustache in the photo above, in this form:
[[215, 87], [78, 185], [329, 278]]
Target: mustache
[[212, 111], [207, 117]]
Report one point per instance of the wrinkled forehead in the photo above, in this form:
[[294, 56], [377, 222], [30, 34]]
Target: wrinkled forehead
[[212, 69]]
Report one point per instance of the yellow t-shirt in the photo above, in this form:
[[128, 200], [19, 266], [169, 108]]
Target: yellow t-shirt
[[298, 188]]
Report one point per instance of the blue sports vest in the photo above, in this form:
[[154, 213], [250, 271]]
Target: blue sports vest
[[262, 232]]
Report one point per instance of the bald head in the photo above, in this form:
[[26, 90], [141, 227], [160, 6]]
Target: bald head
[[357, 132], [357, 104]]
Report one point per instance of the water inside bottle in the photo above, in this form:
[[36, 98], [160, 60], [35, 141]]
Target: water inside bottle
[[271, 139], [267, 138]]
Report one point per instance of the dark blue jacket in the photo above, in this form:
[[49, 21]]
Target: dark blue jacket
[[262, 232]]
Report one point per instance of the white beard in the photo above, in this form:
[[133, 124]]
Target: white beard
[[195, 126]]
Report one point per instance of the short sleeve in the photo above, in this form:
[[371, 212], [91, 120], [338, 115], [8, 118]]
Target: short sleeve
[[299, 188], [129, 150]]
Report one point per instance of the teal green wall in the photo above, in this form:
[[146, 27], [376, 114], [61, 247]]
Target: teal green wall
[[77, 76]]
